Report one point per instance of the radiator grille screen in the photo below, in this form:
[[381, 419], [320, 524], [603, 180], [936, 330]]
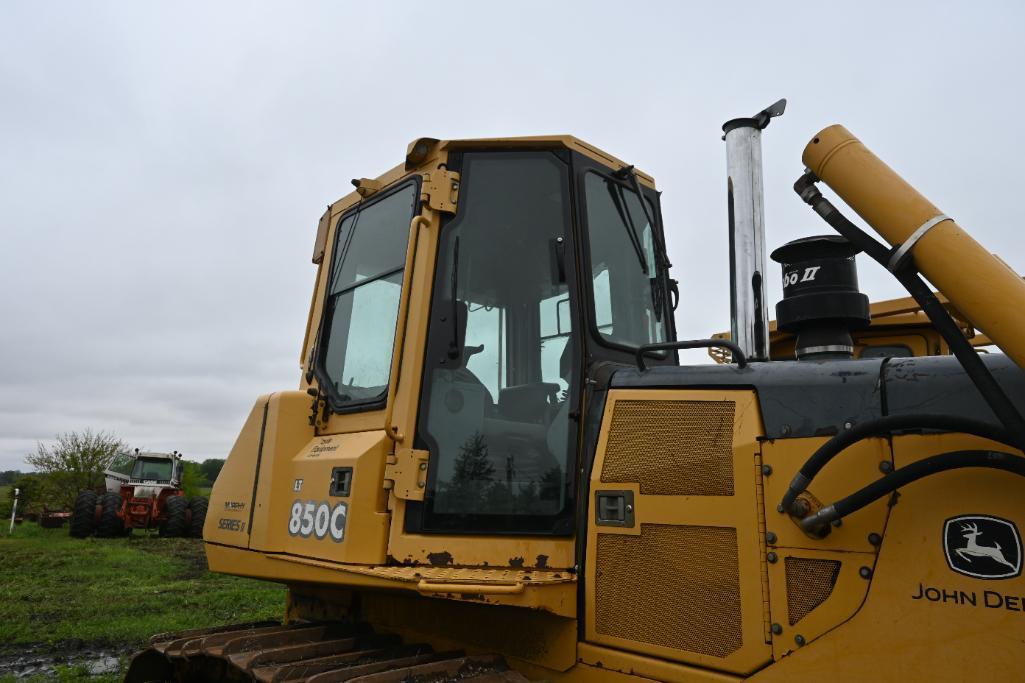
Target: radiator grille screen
[[672, 448], [674, 586], [809, 583]]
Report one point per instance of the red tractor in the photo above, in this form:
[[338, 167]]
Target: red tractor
[[150, 497]]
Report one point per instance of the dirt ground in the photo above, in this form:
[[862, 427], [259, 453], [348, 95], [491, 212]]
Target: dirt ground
[[76, 609]]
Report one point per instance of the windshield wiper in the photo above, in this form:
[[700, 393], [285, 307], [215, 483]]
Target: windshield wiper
[[660, 247], [619, 200], [659, 286]]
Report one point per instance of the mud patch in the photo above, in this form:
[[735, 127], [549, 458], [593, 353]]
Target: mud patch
[[44, 660]]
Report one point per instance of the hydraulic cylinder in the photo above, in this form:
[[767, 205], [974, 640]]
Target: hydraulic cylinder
[[977, 283]]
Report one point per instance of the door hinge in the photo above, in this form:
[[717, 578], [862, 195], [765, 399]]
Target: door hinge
[[440, 190], [405, 473]]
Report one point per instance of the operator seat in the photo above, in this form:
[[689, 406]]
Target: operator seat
[[461, 373]]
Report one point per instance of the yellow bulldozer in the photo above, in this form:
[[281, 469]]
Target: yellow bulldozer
[[495, 469]]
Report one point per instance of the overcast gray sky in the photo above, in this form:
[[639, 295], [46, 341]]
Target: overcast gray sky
[[163, 167]]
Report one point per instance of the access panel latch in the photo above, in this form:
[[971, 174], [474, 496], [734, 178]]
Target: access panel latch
[[614, 508], [405, 473]]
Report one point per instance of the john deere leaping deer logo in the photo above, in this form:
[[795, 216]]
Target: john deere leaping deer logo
[[983, 547]]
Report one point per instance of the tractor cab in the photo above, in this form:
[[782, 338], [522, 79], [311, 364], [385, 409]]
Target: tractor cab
[[156, 468]]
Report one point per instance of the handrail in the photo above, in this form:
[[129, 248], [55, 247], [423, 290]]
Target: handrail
[[427, 587], [738, 353]]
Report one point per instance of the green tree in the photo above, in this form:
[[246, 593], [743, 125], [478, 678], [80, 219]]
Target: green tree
[[31, 495], [76, 461], [211, 467], [192, 478]]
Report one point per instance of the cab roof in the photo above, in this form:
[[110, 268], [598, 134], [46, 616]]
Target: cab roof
[[424, 153]]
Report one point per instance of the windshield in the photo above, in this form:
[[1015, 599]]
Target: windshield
[[152, 470], [630, 307]]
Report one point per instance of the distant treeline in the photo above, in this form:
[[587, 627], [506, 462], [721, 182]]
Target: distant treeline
[[42, 491], [10, 476]]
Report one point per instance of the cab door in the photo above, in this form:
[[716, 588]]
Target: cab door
[[496, 421]]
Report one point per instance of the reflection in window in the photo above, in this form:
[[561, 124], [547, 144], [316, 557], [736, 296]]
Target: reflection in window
[[496, 415], [629, 295], [360, 363], [363, 298]]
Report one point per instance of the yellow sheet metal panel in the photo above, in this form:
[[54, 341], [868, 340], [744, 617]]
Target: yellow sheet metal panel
[[598, 661], [231, 499], [980, 285], [813, 592], [287, 430], [683, 582], [311, 518], [300, 505], [922, 620], [524, 634], [855, 467]]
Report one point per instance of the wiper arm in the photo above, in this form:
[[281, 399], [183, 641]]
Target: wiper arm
[[616, 192], [660, 247], [659, 293]]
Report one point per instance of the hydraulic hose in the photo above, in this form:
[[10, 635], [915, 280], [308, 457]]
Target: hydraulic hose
[[880, 427], [976, 370], [997, 460]]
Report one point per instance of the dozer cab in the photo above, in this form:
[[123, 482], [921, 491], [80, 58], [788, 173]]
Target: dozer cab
[[494, 467]]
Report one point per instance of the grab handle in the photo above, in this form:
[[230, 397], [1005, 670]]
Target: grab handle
[[482, 588]]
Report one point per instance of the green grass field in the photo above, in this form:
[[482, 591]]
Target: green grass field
[[104, 597]]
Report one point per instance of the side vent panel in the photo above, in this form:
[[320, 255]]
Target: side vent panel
[[809, 583], [672, 586], [681, 575], [672, 448]]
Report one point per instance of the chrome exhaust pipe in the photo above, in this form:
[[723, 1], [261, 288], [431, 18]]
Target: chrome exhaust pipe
[[749, 310]]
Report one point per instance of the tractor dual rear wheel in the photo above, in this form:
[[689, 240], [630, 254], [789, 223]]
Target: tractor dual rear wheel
[[176, 521], [198, 506], [110, 525], [83, 515]]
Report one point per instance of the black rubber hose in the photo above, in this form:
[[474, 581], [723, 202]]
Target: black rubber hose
[[883, 426], [976, 370], [905, 475]]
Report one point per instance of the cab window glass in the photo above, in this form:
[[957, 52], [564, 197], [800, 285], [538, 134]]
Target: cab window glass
[[363, 298], [629, 297]]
